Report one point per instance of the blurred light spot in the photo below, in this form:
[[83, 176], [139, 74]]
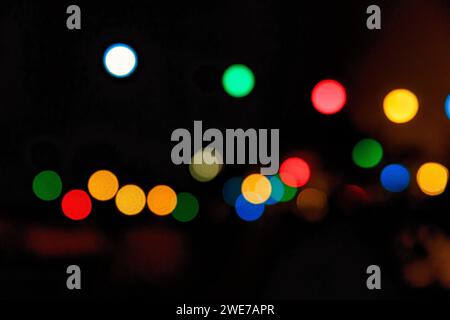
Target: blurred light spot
[[418, 274], [155, 254], [328, 96], [76, 205], [289, 193], [162, 200], [400, 105], [103, 185], [120, 60], [51, 241], [277, 190], [256, 188], [294, 172], [367, 153], [248, 211], [312, 204], [206, 164], [130, 200], [47, 185], [232, 190], [447, 106], [238, 80], [395, 178], [432, 178], [187, 207]]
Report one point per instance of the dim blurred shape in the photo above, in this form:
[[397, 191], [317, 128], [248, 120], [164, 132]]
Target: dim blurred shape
[[312, 204], [206, 164], [232, 190], [328, 96], [418, 273], [47, 185], [248, 211], [76, 205], [60, 242], [367, 153], [434, 267], [120, 60], [103, 185], [238, 80], [154, 254], [353, 198], [187, 207], [395, 178], [130, 200], [400, 105], [256, 188], [162, 200], [294, 172], [432, 178]]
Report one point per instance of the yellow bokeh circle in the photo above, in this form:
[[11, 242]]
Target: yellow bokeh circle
[[130, 200], [103, 185], [432, 178], [162, 200], [400, 105], [206, 164], [256, 188]]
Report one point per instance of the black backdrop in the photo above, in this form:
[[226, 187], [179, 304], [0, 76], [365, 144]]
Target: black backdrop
[[62, 111]]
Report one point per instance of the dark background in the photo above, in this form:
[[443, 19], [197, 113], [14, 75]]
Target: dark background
[[62, 111]]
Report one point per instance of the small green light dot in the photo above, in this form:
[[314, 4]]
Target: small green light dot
[[367, 153], [47, 185], [238, 80], [187, 207]]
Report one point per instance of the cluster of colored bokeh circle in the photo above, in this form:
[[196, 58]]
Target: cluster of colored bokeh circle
[[129, 199], [251, 194]]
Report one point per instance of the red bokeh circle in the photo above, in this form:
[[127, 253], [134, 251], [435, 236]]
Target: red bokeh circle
[[328, 96], [294, 172], [76, 205]]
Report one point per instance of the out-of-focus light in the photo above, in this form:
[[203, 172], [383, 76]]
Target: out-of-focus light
[[395, 178], [256, 188], [238, 80], [130, 200], [312, 204], [432, 178], [294, 172], [328, 96], [447, 106], [120, 60], [103, 185], [367, 153], [232, 190], [206, 164], [289, 193], [248, 211], [187, 207], [162, 200], [47, 185], [418, 274], [277, 190], [76, 205], [400, 105]]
